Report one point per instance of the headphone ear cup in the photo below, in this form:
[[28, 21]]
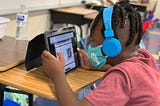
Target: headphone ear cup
[[111, 47]]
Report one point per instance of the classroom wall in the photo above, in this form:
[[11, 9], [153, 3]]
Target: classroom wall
[[39, 21]]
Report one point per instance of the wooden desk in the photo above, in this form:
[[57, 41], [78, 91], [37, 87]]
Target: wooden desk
[[91, 16], [38, 83], [75, 10], [71, 15]]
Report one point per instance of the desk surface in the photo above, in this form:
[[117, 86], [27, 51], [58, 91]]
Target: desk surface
[[76, 10], [91, 16], [38, 83]]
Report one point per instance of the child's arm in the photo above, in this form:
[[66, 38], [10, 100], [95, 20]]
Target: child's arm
[[55, 69]]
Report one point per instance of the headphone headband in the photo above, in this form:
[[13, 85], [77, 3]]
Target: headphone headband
[[107, 18]]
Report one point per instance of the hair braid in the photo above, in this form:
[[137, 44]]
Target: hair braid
[[135, 25]]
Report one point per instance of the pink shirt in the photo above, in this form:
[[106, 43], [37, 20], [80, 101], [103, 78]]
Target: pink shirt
[[134, 82]]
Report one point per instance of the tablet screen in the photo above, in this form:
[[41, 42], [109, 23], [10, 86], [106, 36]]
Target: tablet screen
[[65, 42]]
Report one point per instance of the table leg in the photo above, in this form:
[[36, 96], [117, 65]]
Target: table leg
[[81, 32], [30, 99]]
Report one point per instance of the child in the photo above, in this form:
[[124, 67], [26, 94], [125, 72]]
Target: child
[[133, 79]]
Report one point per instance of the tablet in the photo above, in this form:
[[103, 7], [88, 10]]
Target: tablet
[[34, 50], [65, 41]]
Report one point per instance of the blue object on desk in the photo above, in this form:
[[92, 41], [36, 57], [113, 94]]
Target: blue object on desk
[[8, 102]]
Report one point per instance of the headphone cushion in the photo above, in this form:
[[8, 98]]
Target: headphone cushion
[[111, 47]]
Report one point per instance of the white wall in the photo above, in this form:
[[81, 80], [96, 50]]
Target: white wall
[[39, 21]]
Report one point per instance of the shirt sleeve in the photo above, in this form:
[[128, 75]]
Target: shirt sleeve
[[114, 90]]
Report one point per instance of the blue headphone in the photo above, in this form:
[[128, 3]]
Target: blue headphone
[[111, 46]]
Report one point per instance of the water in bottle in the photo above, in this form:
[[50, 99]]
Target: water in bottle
[[22, 21]]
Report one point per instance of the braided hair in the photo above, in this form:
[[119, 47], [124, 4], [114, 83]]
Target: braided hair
[[119, 17]]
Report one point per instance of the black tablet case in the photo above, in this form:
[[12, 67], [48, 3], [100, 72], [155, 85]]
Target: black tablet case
[[34, 51]]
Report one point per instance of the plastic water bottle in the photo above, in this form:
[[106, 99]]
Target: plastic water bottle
[[22, 22]]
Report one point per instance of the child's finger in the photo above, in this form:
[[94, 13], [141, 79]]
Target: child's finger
[[61, 57]]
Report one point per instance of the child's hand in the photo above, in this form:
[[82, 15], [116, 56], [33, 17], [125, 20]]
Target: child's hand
[[51, 65], [86, 64]]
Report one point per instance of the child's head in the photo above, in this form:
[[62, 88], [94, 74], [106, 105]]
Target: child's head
[[127, 30]]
